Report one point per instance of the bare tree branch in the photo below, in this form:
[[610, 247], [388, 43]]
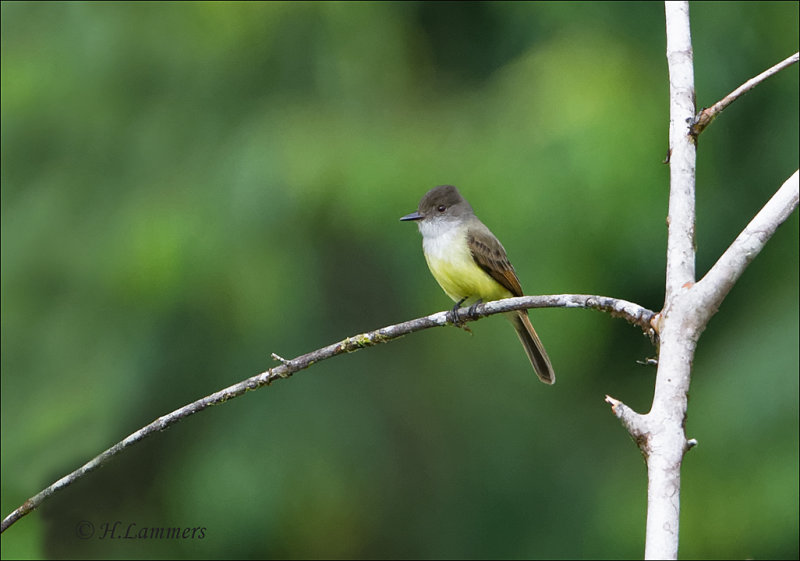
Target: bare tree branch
[[633, 313], [665, 442], [712, 289], [660, 434], [631, 420], [680, 240], [708, 114]]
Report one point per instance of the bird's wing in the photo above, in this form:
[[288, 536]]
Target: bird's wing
[[489, 254]]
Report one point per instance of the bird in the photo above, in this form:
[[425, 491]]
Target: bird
[[471, 265]]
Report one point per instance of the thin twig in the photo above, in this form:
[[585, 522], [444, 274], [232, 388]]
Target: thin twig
[[704, 118], [633, 313]]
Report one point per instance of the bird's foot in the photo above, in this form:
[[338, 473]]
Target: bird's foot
[[454, 317]]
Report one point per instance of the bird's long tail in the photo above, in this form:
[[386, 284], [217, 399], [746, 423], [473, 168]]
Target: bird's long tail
[[533, 346]]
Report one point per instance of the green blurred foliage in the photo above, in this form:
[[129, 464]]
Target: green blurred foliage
[[188, 187]]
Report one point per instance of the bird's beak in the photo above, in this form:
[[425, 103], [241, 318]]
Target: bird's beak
[[412, 216]]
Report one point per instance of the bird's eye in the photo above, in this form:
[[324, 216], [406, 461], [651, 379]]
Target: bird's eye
[[441, 208]]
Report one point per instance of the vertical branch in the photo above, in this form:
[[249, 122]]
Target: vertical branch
[[688, 305], [667, 441], [680, 243]]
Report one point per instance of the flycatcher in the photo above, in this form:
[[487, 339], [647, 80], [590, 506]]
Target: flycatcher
[[470, 264]]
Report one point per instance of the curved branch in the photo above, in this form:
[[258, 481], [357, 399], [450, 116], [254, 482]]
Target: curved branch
[[633, 313]]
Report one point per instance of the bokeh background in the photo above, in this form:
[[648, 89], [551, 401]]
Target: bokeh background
[[189, 187]]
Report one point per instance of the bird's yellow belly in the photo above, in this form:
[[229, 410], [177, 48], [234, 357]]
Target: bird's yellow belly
[[459, 276]]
